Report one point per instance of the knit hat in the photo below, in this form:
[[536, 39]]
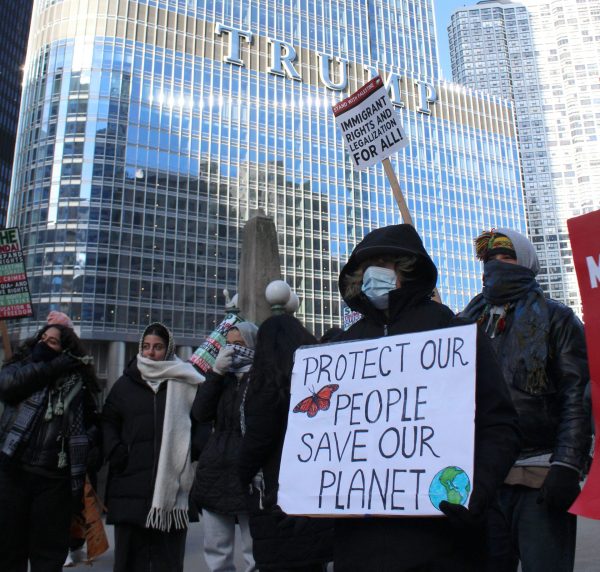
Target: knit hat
[[59, 318], [490, 243]]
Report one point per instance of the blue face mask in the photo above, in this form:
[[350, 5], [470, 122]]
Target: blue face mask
[[377, 284]]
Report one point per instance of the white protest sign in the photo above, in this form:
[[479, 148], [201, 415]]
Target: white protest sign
[[370, 125], [381, 427]]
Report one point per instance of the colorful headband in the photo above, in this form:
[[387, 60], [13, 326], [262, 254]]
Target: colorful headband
[[490, 242]]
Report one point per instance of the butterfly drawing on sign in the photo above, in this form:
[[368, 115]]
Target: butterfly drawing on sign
[[318, 401]]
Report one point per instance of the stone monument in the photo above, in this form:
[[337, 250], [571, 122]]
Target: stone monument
[[259, 266]]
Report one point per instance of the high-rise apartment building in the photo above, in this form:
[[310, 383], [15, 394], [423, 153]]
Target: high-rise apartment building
[[152, 129], [544, 55], [14, 29]]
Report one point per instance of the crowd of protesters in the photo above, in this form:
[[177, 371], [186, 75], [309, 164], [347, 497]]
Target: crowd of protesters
[[532, 434]]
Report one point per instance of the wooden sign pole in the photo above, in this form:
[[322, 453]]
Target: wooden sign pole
[[5, 340], [401, 201], [391, 175]]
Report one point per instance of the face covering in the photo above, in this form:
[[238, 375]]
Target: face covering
[[377, 284], [242, 358], [43, 352]]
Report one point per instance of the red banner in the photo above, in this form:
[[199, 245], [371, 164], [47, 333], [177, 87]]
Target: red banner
[[584, 232]]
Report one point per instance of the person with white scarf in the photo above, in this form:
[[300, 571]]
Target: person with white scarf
[[218, 491], [147, 442]]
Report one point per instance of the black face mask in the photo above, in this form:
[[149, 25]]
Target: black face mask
[[43, 352]]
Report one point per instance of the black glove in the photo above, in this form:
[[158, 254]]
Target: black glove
[[560, 488], [284, 520], [462, 518], [62, 364]]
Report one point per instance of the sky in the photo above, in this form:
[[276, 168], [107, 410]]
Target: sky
[[443, 11]]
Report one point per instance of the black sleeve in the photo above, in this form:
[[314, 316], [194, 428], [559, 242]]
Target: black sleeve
[[207, 398], [112, 425], [497, 436], [91, 418], [20, 380], [569, 370], [265, 425]]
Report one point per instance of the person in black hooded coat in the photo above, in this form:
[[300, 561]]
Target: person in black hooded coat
[[389, 279], [280, 543]]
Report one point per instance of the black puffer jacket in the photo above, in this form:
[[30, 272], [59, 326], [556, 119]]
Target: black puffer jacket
[[395, 544], [217, 484], [132, 423], [278, 541]]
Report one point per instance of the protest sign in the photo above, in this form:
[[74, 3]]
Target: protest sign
[[585, 244], [15, 300], [370, 125], [206, 354], [381, 427]]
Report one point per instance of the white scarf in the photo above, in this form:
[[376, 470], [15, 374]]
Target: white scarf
[[175, 473]]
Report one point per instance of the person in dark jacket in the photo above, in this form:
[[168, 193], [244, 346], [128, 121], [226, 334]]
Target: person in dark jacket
[[147, 442], [217, 488], [46, 430], [389, 279], [280, 542], [541, 348]]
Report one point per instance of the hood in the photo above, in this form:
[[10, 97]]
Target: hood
[[170, 348], [394, 240], [526, 255], [248, 331]]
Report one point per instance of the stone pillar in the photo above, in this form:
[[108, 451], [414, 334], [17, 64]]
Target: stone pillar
[[184, 352], [115, 364], [259, 265]]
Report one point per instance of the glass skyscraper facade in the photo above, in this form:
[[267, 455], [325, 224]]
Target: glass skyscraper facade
[[14, 29], [544, 56], [152, 130]]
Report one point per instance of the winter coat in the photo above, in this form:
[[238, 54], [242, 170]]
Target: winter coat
[[278, 540], [132, 425], [18, 381], [393, 544], [555, 419], [217, 484]]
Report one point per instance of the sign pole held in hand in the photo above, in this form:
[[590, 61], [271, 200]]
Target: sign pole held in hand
[[396, 189]]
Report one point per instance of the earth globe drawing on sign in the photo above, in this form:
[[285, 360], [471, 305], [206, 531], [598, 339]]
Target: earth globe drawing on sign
[[451, 484]]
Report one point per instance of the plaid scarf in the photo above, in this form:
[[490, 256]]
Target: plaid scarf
[[242, 358], [22, 427], [76, 435]]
